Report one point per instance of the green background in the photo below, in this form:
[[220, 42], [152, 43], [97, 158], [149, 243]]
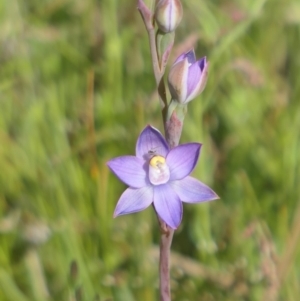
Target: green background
[[77, 88]]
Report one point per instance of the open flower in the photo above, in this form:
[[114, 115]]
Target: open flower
[[187, 77], [160, 176]]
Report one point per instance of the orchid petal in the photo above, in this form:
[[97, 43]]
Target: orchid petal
[[180, 58], [198, 74], [191, 57], [190, 190], [151, 142], [130, 170], [194, 77], [177, 79], [134, 200], [182, 160], [168, 205]]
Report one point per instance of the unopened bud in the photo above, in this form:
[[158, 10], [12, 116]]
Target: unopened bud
[[187, 77], [168, 14]]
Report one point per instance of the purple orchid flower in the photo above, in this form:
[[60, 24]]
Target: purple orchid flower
[[160, 176], [187, 77]]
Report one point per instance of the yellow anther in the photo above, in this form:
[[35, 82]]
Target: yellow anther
[[157, 161]]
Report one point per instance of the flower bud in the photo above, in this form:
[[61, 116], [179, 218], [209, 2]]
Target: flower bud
[[187, 77], [168, 14]]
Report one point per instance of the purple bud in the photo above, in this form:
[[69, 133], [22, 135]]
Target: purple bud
[[187, 77], [168, 14]]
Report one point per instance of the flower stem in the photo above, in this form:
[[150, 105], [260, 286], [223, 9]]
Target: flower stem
[[173, 128], [147, 17], [164, 264]]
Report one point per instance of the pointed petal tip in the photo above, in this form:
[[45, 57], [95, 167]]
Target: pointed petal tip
[[116, 214], [198, 144], [213, 197], [216, 197], [150, 126], [110, 164], [192, 50]]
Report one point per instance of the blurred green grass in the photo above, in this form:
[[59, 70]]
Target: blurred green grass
[[76, 88]]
